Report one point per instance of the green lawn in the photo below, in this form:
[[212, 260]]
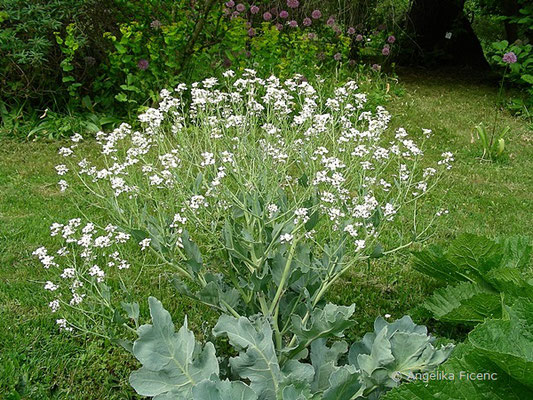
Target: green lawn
[[487, 198]]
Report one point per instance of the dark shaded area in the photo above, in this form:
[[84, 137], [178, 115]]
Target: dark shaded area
[[441, 35]]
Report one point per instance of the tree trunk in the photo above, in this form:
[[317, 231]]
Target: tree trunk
[[511, 9], [442, 35]]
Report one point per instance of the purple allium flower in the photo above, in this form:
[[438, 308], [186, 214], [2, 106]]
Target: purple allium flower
[[307, 22], [230, 4], [359, 38], [293, 24], [143, 64], [316, 14], [311, 35], [279, 26], [293, 3], [351, 30], [321, 56], [391, 39], [376, 67], [283, 14], [234, 14], [248, 54], [240, 7], [267, 16], [337, 56], [155, 24], [251, 32], [509, 58], [352, 63], [330, 21], [254, 9], [385, 51]]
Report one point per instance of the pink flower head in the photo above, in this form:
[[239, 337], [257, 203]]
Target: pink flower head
[[293, 3], [251, 32], [267, 16], [351, 30], [254, 9], [391, 39], [385, 51], [352, 63], [359, 38], [155, 24], [230, 4], [330, 21], [240, 7], [376, 67], [234, 14], [509, 58], [337, 56], [307, 22], [143, 64], [279, 26], [316, 14], [293, 24], [283, 14], [311, 35]]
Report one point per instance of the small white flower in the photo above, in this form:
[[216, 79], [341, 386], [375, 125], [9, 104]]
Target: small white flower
[[286, 238], [61, 169], [54, 305], [272, 210], [50, 286], [145, 243], [63, 185], [63, 325]]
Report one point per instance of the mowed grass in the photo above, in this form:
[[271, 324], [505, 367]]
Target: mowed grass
[[36, 361]]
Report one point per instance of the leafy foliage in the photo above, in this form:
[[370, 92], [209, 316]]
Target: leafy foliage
[[175, 365], [499, 349], [482, 272]]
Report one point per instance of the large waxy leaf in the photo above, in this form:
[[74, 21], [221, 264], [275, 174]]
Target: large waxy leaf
[[330, 321], [324, 360], [257, 359], [172, 362], [344, 384], [465, 303], [449, 382], [395, 350], [509, 342], [222, 390]]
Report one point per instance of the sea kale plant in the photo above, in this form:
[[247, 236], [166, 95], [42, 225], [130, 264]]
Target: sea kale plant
[[253, 196]]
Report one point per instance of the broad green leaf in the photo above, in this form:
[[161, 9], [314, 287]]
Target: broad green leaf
[[222, 390], [516, 251], [324, 360], [344, 384], [509, 342], [464, 303], [450, 382], [433, 262], [394, 350], [172, 362], [330, 321], [257, 359]]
